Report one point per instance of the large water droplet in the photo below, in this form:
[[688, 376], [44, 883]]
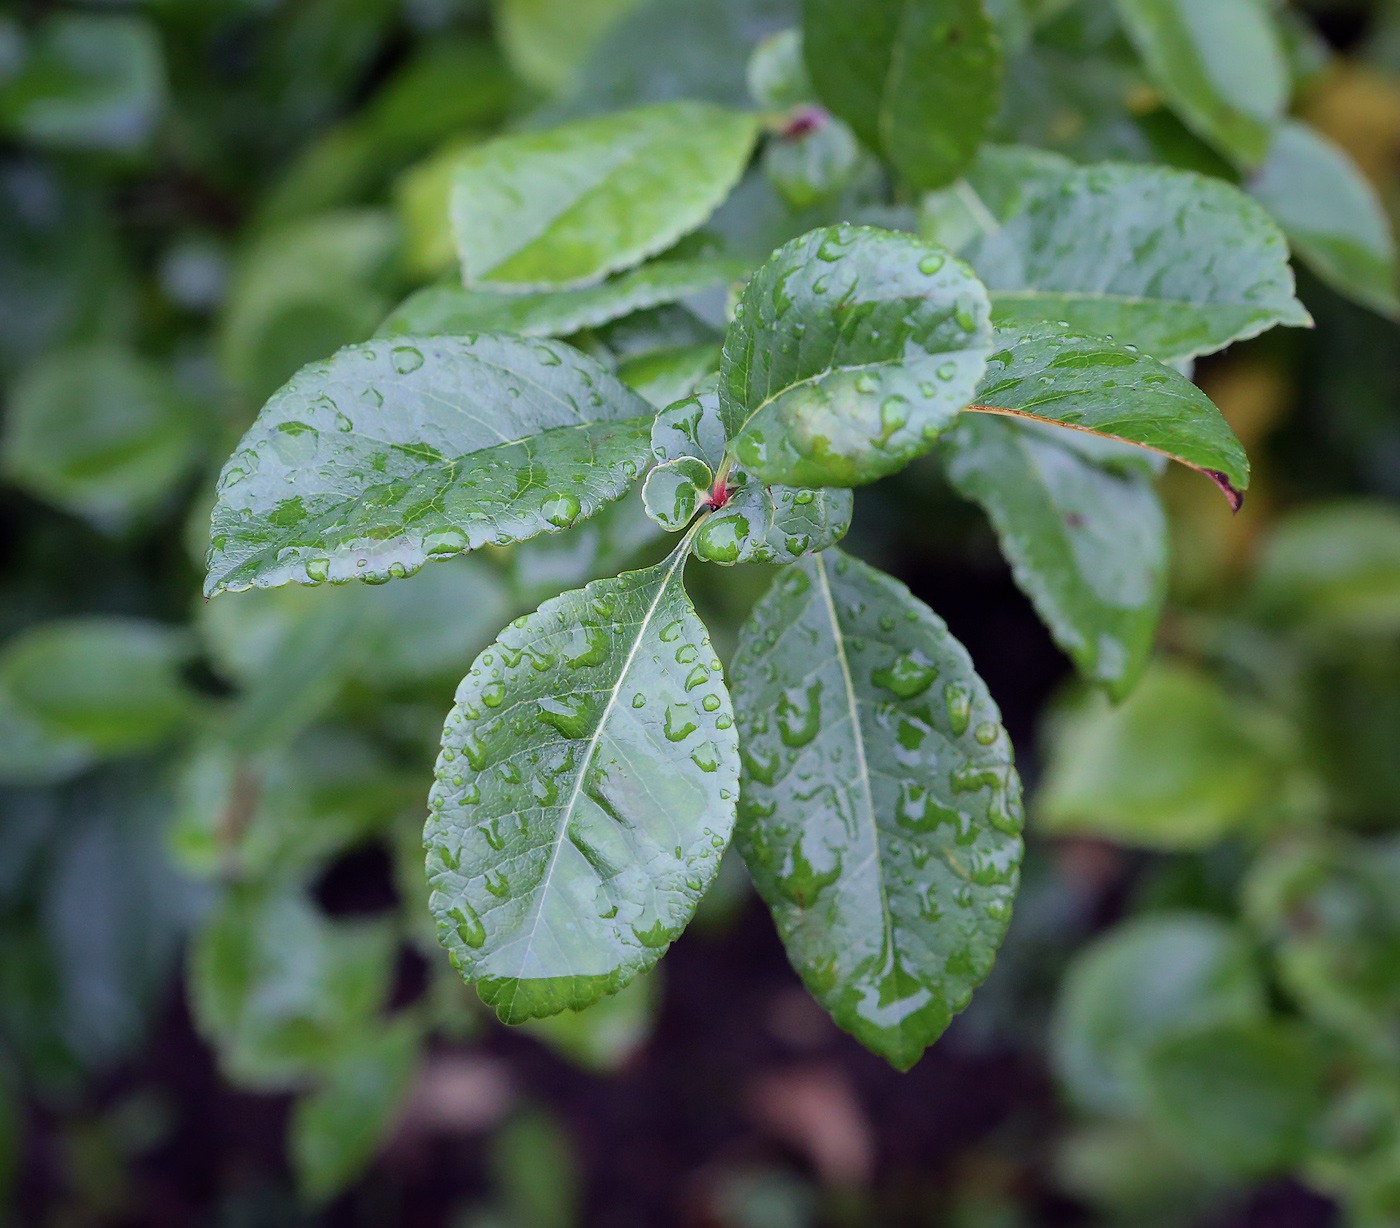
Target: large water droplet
[[799, 714], [908, 675], [406, 359], [469, 927]]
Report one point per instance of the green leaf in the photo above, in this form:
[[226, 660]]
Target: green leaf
[[1096, 387], [1172, 262], [1331, 215], [917, 79], [1000, 183], [880, 814], [604, 1037], [422, 201], [772, 524], [1220, 64], [565, 207], [585, 790], [692, 426], [851, 351], [1179, 765], [88, 81], [278, 988], [455, 310], [418, 448], [816, 162], [548, 41], [1087, 540], [1148, 978], [99, 432], [676, 490], [336, 1129], [1238, 1096], [777, 72], [536, 1171], [666, 375]]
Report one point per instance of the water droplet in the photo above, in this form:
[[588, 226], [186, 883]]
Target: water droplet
[[799, 714], [947, 370], [867, 383], [493, 694], [670, 631], [710, 703], [987, 732], [639, 700], [342, 423], [679, 726], [547, 356], [571, 715], [959, 702], [931, 263], [318, 569], [705, 757], [908, 675], [469, 927], [406, 359], [444, 543], [560, 510]]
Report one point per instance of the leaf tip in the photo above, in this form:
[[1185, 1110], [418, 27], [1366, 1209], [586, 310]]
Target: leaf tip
[[1233, 495]]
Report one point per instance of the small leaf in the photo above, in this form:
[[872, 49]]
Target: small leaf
[[1092, 385], [585, 790], [1220, 64], [738, 531], [675, 491], [565, 207], [772, 524], [918, 80], [881, 814], [1331, 215], [813, 160], [850, 353], [691, 427], [1172, 262], [547, 41], [1087, 543], [420, 448], [455, 310]]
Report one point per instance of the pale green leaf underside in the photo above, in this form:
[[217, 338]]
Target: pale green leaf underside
[[585, 790], [1087, 542], [918, 80], [851, 351], [395, 452], [1220, 65], [1172, 262], [436, 310], [1331, 215], [567, 206], [1090, 384], [881, 813]]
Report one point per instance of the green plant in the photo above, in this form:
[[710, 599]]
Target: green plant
[[596, 758]]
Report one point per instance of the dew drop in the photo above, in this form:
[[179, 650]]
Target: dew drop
[[406, 359]]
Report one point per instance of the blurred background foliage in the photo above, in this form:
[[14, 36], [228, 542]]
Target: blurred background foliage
[[221, 1000]]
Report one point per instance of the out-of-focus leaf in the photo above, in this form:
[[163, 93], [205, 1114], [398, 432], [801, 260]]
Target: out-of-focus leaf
[[918, 80], [851, 351], [1147, 979], [301, 292], [1086, 539], [568, 206], [1331, 215], [880, 816], [1178, 765], [586, 785], [1093, 386], [1169, 261], [536, 1172], [423, 202], [1220, 64], [1000, 183], [422, 447], [667, 375], [777, 72], [604, 1036], [455, 310], [1239, 1096], [87, 81], [1334, 565], [813, 163], [548, 41], [279, 988], [336, 1129], [100, 432]]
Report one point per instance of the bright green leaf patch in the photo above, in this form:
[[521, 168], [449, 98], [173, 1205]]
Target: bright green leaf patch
[[1172, 262], [585, 790], [1090, 384], [400, 451], [850, 353], [881, 813], [569, 205]]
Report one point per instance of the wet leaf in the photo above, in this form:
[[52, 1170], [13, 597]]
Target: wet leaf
[[585, 790], [1087, 540], [850, 353], [602, 1038], [1331, 215], [1172, 262], [567, 206], [881, 813], [1000, 183], [918, 80], [1093, 386], [675, 491], [1220, 64], [456, 310], [410, 449]]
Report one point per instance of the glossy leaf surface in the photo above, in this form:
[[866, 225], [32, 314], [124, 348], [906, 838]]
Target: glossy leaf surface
[[675, 491], [1331, 215], [567, 206], [1087, 540], [456, 310], [585, 789], [1092, 385], [1172, 262], [881, 813], [851, 351], [1219, 63], [396, 452], [918, 80]]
